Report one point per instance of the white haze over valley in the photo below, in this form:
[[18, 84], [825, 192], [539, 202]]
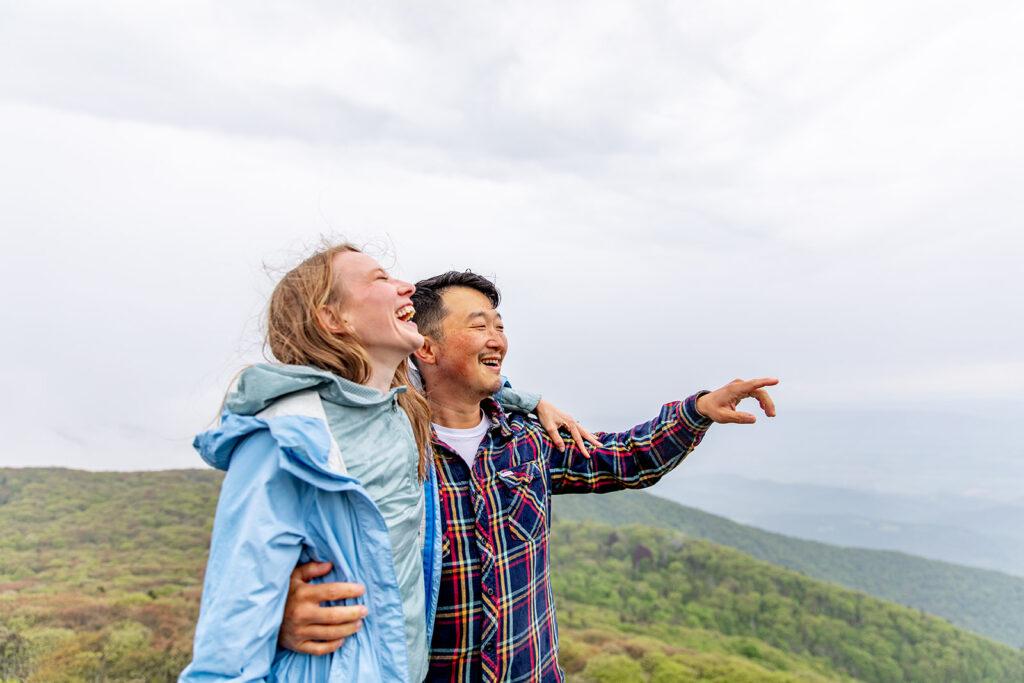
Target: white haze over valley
[[671, 195]]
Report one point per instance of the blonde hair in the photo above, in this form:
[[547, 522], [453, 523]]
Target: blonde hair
[[295, 337]]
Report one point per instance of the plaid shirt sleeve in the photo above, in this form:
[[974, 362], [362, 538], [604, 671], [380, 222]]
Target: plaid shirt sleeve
[[633, 459]]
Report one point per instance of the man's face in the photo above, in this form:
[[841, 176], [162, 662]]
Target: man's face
[[474, 342]]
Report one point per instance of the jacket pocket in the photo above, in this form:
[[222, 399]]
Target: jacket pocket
[[524, 500]]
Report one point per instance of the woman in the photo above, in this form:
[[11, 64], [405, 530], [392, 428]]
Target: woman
[[328, 458]]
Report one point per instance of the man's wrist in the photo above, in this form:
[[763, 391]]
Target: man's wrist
[[692, 415], [696, 401]]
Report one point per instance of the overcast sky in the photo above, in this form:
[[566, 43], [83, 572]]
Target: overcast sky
[[671, 195]]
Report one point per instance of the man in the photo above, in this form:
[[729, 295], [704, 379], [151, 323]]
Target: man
[[496, 473]]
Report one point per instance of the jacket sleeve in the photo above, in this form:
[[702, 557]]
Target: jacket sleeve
[[632, 459], [257, 538], [515, 400]]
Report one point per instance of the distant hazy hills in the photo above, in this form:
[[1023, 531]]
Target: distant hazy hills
[[986, 602], [958, 529]]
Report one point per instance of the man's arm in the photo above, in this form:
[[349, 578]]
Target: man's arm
[[641, 456]]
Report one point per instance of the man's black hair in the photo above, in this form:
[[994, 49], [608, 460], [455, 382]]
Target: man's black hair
[[430, 310]]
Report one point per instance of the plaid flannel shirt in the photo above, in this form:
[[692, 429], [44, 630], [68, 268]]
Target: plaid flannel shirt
[[495, 613]]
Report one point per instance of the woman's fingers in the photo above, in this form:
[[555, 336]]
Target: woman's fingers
[[574, 428], [551, 428], [590, 437], [551, 418]]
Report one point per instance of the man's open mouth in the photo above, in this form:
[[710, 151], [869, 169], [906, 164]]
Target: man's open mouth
[[405, 313], [492, 362]]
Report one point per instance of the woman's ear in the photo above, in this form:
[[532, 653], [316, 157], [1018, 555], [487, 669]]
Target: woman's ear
[[331, 319]]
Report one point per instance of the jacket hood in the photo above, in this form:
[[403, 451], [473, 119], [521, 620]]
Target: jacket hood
[[260, 385], [303, 440]]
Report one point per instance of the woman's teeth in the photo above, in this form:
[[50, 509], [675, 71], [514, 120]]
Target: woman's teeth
[[405, 313]]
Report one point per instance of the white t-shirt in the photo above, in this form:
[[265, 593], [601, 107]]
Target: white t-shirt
[[465, 442]]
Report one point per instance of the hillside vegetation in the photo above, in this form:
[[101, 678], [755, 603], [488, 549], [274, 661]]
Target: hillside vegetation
[[986, 602], [658, 583], [100, 578]]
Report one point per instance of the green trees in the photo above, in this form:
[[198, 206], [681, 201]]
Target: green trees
[[101, 574], [986, 602], [772, 617]]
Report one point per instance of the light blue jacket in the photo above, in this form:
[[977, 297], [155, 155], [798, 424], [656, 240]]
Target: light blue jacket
[[285, 501]]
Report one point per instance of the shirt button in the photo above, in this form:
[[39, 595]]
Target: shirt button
[[487, 589]]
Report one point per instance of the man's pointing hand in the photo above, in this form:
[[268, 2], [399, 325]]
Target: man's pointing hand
[[720, 405]]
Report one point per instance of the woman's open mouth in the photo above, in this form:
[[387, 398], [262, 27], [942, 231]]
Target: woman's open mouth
[[405, 313]]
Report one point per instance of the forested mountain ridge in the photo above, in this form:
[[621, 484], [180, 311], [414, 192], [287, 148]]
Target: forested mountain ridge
[[100, 577], [983, 601], [656, 582]]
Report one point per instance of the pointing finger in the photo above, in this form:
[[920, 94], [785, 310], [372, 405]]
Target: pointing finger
[[767, 405]]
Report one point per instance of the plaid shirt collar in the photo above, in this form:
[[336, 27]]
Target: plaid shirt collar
[[499, 425], [499, 421]]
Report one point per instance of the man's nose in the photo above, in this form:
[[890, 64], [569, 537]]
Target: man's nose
[[497, 340]]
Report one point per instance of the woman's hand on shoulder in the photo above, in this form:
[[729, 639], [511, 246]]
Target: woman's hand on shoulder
[[552, 419]]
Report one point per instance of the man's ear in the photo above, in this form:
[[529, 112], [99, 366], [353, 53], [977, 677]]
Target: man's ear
[[428, 352], [331, 319]]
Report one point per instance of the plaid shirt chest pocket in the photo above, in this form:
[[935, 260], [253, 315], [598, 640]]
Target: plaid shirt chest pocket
[[524, 497]]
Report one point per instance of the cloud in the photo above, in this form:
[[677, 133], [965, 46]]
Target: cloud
[[671, 195]]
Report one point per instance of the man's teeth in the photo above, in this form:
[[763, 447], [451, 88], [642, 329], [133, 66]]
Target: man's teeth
[[405, 313], [492, 363]]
